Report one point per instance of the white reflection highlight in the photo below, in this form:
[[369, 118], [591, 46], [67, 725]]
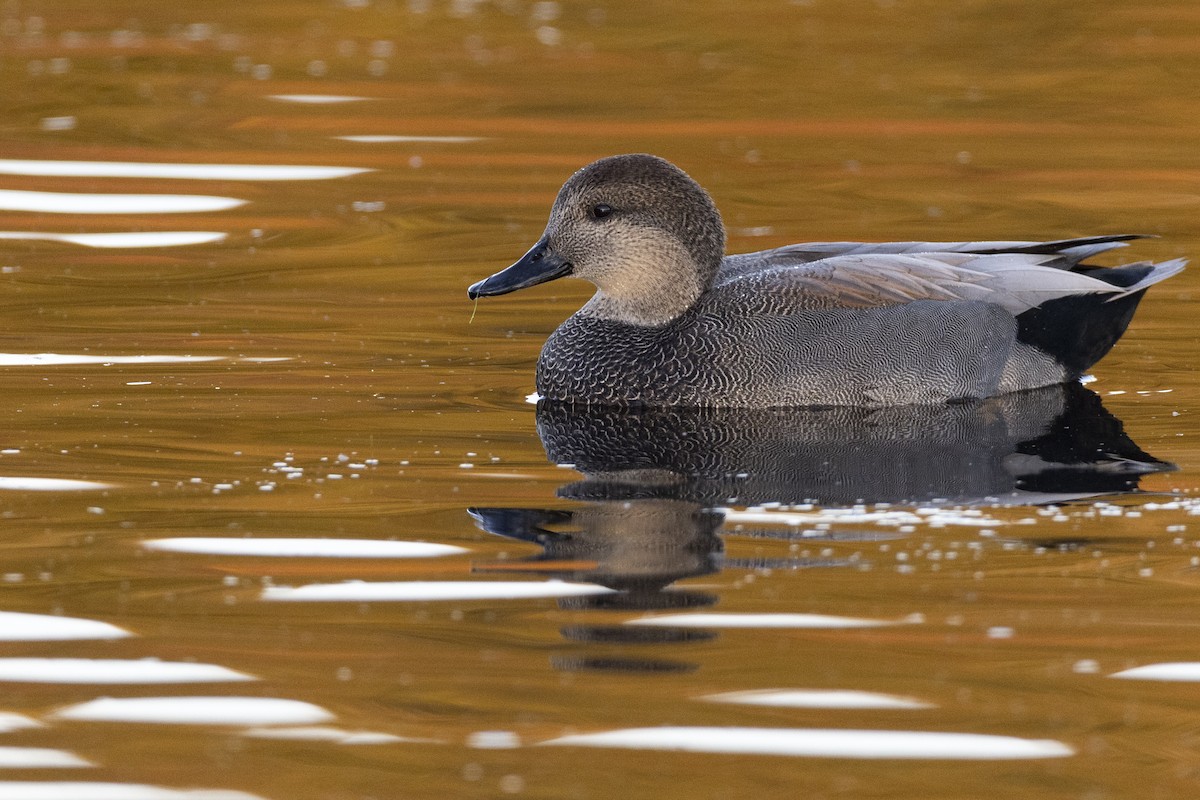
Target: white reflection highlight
[[199, 172], [384, 139], [16, 626], [304, 548], [415, 591], [120, 240], [317, 99], [849, 516], [197, 711], [818, 698], [81, 790], [321, 733], [761, 621], [79, 203], [831, 516], [1167, 671], [11, 721], [23, 484], [493, 740], [823, 743], [60, 359], [114, 671], [38, 758]]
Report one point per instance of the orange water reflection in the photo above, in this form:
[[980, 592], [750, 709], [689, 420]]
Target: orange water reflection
[[311, 371]]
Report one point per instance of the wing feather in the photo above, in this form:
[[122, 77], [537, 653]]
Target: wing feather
[[1067, 252], [1015, 281]]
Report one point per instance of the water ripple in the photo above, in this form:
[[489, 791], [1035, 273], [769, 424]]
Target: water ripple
[[818, 698], [307, 548], [819, 621], [39, 758], [318, 99], [16, 626], [1167, 671], [416, 591], [121, 239], [322, 733], [95, 203], [11, 721], [390, 139], [13, 483], [197, 711], [86, 790], [60, 359], [823, 743], [114, 671], [172, 171]]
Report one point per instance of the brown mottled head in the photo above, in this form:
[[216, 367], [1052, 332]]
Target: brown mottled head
[[636, 226]]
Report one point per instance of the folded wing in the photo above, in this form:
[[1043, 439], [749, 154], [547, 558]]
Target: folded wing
[[1016, 276]]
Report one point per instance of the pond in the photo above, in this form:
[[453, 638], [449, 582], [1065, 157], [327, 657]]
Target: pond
[[281, 521]]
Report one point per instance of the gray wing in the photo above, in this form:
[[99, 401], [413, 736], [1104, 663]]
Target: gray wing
[[1017, 282], [1067, 252]]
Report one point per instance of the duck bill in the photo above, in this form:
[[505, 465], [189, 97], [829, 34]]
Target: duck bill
[[539, 265]]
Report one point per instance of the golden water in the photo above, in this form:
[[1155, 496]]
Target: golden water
[[351, 397]]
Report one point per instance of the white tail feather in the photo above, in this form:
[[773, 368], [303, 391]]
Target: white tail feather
[[1161, 272]]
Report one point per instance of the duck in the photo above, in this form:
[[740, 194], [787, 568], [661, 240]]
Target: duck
[[675, 321]]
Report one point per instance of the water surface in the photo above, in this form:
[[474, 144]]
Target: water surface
[[280, 522]]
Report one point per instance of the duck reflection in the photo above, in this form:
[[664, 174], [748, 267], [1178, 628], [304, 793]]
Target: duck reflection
[[1050, 445], [655, 480]]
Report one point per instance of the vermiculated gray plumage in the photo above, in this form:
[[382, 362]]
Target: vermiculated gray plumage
[[877, 356], [675, 322]]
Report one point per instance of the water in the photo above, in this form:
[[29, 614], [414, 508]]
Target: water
[[257, 452]]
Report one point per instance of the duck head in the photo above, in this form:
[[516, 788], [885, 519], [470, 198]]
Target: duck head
[[644, 233]]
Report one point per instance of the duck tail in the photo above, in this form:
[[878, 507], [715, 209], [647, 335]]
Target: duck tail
[[1079, 330], [1146, 274]]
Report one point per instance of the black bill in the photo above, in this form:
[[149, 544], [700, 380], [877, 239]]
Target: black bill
[[539, 265]]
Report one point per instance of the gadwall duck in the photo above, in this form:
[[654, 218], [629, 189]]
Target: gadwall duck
[[675, 321]]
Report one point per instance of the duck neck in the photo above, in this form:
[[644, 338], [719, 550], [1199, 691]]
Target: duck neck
[[658, 293]]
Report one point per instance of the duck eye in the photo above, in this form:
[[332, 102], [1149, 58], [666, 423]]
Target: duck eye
[[602, 210]]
